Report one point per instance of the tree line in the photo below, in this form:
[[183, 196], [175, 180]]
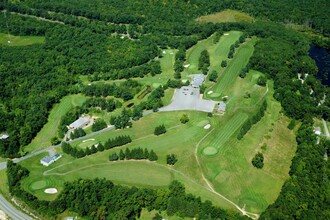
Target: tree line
[[110, 143], [253, 120], [134, 154]]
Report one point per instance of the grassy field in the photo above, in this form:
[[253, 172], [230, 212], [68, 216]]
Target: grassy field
[[42, 140], [20, 40], [218, 51], [226, 16], [230, 170], [231, 72]]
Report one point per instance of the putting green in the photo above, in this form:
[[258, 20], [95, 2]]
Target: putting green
[[202, 123], [156, 85], [210, 151], [213, 95], [38, 185]]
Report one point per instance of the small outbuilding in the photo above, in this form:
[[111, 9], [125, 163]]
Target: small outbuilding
[[80, 122], [4, 136], [317, 131], [48, 160], [222, 107]]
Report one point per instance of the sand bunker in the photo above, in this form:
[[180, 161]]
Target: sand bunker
[[186, 66], [2, 215], [88, 140], [207, 126], [209, 92], [51, 190], [226, 34]]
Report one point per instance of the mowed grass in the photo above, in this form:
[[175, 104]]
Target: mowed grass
[[180, 139], [49, 130], [230, 170], [226, 16], [218, 51], [230, 74], [20, 40]]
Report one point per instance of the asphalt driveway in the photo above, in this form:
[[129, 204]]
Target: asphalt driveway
[[188, 98]]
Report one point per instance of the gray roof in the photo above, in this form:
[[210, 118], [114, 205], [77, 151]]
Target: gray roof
[[222, 106], [56, 156], [47, 159], [198, 80], [80, 122]]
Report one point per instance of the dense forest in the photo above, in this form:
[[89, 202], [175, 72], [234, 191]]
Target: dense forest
[[112, 39]]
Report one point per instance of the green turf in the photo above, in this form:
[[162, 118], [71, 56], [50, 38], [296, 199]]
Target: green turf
[[40, 184], [49, 130], [218, 51], [20, 40], [230, 170], [167, 99], [231, 72]]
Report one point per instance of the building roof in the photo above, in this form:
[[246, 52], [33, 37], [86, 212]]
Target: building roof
[[198, 80], [47, 159], [222, 106], [4, 136], [56, 156], [79, 122]]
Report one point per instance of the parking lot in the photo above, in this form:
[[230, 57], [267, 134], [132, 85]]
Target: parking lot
[[188, 98]]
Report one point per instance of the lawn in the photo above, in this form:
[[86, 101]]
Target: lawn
[[231, 72], [49, 130], [230, 170], [218, 51], [226, 16], [20, 40]]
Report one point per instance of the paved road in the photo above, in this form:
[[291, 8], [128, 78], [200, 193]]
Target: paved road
[[11, 210]]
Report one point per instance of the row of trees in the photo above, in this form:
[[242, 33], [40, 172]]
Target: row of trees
[[204, 62], [125, 90], [76, 133], [105, 104], [180, 57], [134, 154], [110, 143], [253, 120]]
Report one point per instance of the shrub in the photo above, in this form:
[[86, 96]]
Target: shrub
[[99, 124], [171, 159], [258, 160], [160, 130], [184, 119]]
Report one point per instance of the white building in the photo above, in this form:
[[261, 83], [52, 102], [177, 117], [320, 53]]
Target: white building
[[198, 80], [222, 107], [48, 160], [80, 122]]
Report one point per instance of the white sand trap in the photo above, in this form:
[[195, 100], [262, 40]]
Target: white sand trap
[[186, 66], [51, 190], [209, 92], [207, 126], [89, 84], [226, 34], [164, 52], [171, 53], [88, 140], [184, 80]]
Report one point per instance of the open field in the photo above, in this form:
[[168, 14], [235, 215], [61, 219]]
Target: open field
[[49, 130], [229, 75], [230, 170], [226, 16], [20, 40], [218, 51]]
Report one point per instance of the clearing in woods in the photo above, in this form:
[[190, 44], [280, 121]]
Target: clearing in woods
[[12, 40], [226, 16]]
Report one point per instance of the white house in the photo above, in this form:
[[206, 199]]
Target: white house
[[222, 107], [198, 80], [80, 122]]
